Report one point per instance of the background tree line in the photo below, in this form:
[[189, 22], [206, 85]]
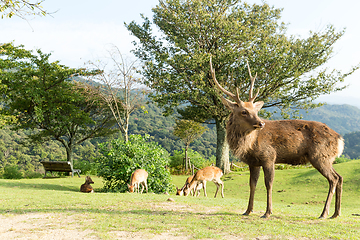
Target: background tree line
[[13, 150]]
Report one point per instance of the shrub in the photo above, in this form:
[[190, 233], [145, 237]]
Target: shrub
[[86, 167], [12, 172], [119, 160], [341, 159]]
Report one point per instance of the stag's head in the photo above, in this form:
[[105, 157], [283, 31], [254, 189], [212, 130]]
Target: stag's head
[[244, 113]]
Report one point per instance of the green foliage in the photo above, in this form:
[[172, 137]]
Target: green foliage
[[160, 128], [342, 118], [196, 158], [20, 8], [352, 145], [120, 159], [188, 130], [42, 96], [12, 172], [231, 32], [342, 159]]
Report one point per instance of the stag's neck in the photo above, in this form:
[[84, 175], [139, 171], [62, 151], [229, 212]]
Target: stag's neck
[[241, 141]]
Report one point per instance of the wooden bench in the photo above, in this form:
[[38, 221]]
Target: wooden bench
[[59, 166]]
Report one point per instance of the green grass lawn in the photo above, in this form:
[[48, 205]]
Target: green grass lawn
[[298, 200]]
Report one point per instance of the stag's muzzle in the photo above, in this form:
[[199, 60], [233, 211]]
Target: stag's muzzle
[[259, 125]]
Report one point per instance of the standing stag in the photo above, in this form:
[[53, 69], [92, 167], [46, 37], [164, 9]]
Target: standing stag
[[262, 143]]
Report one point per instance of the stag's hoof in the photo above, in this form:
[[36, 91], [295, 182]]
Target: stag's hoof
[[334, 216], [265, 216]]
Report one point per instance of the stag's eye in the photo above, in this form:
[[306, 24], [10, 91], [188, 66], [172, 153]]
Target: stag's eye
[[244, 112]]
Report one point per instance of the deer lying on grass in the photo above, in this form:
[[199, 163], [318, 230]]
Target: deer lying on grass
[[262, 143], [202, 176], [86, 187], [138, 177], [180, 191]]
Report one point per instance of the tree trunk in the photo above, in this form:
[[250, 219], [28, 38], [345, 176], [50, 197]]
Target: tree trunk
[[222, 147], [70, 155], [69, 146], [186, 158]]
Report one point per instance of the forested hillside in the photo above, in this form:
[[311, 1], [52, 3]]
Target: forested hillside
[[345, 119], [342, 118]]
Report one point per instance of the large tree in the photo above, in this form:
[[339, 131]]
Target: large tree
[[290, 72], [43, 96]]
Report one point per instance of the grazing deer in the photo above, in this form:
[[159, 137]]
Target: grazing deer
[[206, 174], [86, 187], [262, 143], [180, 191], [138, 177]]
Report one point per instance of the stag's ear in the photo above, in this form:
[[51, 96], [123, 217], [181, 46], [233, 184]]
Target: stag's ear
[[228, 104], [258, 105]]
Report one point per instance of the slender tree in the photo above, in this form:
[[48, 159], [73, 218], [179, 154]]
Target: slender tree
[[188, 131], [121, 88], [43, 97], [290, 72]]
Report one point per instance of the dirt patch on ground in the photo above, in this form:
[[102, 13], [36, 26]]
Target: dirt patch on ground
[[61, 226], [41, 226]]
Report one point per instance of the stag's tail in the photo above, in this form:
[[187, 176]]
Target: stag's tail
[[340, 148]]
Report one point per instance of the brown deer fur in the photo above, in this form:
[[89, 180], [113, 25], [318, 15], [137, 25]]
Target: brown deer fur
[[86, 187], [138, 177], [262, 143], [180, 191], [202, 176]]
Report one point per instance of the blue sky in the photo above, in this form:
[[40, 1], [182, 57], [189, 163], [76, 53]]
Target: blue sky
[[83, 30]]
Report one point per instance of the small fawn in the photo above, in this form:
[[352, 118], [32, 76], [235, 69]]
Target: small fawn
[[138, 177], [206, 174], [86, 187], [180, 191]]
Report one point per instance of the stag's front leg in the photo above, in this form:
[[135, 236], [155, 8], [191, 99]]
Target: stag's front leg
[[254, 176], [269, 173]]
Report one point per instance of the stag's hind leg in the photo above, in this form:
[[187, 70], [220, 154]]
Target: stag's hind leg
[[254, 177], [335, 185], [338, 195]]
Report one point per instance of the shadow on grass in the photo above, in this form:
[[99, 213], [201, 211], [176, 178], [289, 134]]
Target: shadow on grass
[[111, 211], [39, 186]]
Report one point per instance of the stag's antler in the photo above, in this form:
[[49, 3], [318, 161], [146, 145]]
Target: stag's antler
[[252, 79], [233, 96]]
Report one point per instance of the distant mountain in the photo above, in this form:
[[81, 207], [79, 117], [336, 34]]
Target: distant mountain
[[342, 118]]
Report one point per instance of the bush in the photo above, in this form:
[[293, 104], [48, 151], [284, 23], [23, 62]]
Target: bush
[[119, 160], [341, 159], [12, 172], [86, 167]]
